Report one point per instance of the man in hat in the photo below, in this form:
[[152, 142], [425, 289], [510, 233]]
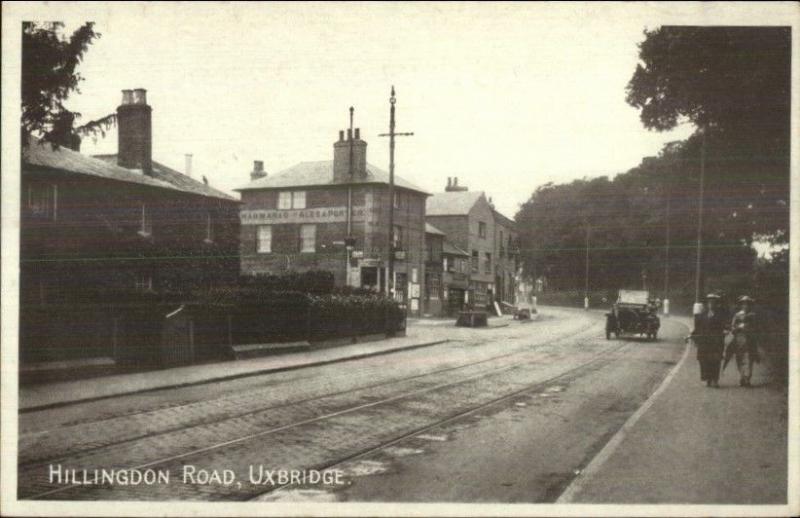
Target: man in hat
[[709, 337], [744, 345]]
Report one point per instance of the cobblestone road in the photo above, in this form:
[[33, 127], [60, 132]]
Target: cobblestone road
[[309, 418]]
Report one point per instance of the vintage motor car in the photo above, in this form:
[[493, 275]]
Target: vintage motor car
[[634, 313]]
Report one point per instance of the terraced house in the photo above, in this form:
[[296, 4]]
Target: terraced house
[[473, 226], [334, 215]]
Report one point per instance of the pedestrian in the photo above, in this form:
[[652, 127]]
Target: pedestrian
[[744, 345], [709, 337]]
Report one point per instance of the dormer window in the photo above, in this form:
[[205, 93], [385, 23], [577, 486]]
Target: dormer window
[[146, 223]]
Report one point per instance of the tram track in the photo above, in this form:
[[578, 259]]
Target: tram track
[[455, 417], [485, 373], [38, 455]]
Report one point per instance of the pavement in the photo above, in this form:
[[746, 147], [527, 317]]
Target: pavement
[[420, 333], [691, 444]]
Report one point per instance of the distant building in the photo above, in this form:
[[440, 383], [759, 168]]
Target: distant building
[[297, 220], [471, 224], [120, 222]]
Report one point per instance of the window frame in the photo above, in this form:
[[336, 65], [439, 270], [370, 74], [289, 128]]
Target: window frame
[[145, 222], [482, 229], [260, 240], [304, 249]]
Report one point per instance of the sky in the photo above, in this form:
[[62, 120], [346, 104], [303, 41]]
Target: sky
[[506, 97]]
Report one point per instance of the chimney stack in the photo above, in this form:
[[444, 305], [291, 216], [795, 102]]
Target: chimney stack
[[453, 186], [258, 170], [135, 134], [341, 157], [188, 164]]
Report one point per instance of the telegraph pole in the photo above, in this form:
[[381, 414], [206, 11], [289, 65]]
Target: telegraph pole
[[666, 250], [586, 285], [701, 195], [392, 134], [348, 238]]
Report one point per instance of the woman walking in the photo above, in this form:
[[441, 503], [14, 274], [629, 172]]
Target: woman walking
[[709, 337]]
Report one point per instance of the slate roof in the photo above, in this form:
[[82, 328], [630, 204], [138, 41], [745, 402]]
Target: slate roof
[[455, 203], [430, 229], [504, 219], [175, 178], [451, 249], [317, 174], [42, 154]]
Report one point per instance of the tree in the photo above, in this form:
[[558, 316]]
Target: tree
[[734, 84], [49, 75]]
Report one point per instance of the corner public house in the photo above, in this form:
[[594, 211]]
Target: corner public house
[[334, 215]]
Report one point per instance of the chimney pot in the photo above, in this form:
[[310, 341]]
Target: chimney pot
[[127, 97], [455, 181], [358, 134], [341, 135], [449, 181], [188, 164], [140, 96]]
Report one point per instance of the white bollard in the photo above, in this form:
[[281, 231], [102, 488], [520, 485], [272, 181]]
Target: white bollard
[[586, 303], [666, 307]]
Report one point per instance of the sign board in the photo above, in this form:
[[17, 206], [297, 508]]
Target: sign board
[[316, 215], [413, 290], [400, 254], [357, 254], [414, 304]]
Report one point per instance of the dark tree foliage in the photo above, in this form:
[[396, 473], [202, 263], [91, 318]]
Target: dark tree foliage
[[49, 75], [734, 84]]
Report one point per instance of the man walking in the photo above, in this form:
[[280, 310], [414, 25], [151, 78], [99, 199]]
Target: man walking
[[744, 345], [709, 337]]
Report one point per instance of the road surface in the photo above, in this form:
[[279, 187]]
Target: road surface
[[509, 414]]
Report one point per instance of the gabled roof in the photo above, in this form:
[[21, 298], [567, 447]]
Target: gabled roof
[[504, 219], [455, 203], [430, 229], [451, 249], [40, 153], [318, 174], [177, 179]]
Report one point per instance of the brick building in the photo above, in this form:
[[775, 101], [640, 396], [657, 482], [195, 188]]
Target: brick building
[[473, 225], [119, 222], [297, 220]]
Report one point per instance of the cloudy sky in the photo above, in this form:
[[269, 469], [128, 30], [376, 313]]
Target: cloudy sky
[[504, 96]]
